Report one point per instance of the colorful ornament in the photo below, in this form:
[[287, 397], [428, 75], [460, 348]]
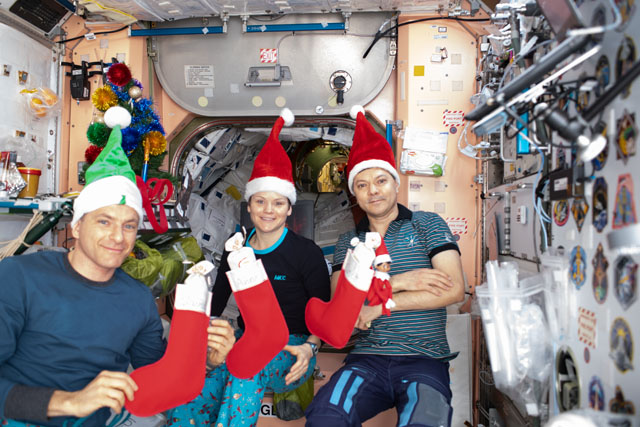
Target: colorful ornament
[[119, 74], [130, 140], [104, 98], [156, 143], [98, 134], [135, 92], [91, 153]]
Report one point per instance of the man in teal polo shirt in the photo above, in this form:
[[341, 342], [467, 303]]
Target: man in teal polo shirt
[[399, 360]]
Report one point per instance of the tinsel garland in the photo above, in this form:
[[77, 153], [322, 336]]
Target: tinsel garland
[[119, 74], [92, 152], [104, 98], [156, 141], [98, 134], [130, 139]]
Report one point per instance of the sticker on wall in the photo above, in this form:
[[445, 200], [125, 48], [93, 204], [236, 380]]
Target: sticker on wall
[[561, 212], [453, 118], [578, 266], [268, 56], [626, 136], [624, 212], [618, 405], [625, 58], [626, 281], [579, 209], [603, 74], [457, 225], [599, 204], [600, 280], [587, 327], [596, 394], [601, 159], [626, 8], [621, 345]]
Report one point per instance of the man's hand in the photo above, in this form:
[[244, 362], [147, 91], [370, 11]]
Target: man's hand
[[367, 315], [422, 279], [220, 340], [109, 389], [303, 353]]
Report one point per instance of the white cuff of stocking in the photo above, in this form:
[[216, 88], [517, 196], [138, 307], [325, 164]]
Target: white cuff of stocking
[[250, 274]]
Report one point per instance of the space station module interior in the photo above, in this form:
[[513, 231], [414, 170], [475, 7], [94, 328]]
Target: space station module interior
[[514, 120]]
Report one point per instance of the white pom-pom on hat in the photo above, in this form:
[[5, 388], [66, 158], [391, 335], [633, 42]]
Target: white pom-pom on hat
[[117, 116], [355, 110], [287, 116]]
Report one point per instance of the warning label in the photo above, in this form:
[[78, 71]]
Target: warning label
[[457, 225], [196, 76], [453, 118], [587, 327]]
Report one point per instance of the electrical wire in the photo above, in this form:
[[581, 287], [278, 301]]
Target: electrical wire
[[11, 246], [379, 34], [83, 36]]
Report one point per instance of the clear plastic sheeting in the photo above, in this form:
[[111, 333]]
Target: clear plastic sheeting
[[516, 324], [560, 293]]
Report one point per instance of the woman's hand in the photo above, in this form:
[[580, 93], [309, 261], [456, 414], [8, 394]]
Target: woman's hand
[[304, 354], [220, 340]]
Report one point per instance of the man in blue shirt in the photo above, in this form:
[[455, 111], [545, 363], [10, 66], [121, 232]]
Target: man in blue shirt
[[70, 324], [399, 360]]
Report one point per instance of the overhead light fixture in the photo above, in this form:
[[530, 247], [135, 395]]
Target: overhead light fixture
[[626, 240]]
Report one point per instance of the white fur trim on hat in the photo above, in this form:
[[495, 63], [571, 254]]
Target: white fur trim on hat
[[106, 192], [372, 163], [117, 116], [287, 116], [355, 110], [382, 258], [271, 183]]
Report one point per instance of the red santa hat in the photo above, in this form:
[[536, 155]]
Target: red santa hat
[[369, 149], [381, 254], [272, 168]]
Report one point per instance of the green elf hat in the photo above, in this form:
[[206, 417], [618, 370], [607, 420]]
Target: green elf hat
[[110, 179]]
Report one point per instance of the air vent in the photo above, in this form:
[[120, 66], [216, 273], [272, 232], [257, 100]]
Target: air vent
[[44, 14]]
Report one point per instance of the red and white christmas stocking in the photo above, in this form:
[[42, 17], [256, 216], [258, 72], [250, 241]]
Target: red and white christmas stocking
[[179, 376], [266, 332], [334, 321]]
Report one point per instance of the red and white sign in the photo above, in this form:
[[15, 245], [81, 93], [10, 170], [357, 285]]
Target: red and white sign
[[268, 56], [587, 327], [457, 225], [453, 118]]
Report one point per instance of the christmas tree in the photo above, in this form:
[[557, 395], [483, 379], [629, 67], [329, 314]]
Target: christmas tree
[[143, 140]]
